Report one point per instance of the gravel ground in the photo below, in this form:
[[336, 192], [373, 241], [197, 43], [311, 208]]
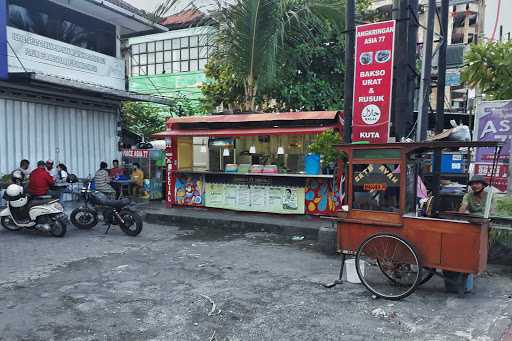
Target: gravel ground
[[161, 285]]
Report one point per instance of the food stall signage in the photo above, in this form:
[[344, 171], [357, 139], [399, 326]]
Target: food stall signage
[[140, 153], [493, 122], [393, 178], [3, 40], [373, 81], [375, 187]]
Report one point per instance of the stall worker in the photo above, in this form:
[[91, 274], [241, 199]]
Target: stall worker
[[474, 201], [137, 179]]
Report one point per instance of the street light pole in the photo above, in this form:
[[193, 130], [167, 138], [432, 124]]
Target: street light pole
[[426, 75], [350, 13], [441, 82]]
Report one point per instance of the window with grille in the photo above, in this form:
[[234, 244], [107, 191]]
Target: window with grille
[[184, 54]]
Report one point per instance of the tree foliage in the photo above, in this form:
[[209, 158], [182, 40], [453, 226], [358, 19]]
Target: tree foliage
[[307, 69], [252, 37], [489, 68], [142, 118]]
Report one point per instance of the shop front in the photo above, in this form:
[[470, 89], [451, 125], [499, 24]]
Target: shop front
[[251, 162], [151, 162]]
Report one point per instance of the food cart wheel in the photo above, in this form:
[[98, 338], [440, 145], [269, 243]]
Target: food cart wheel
[[386, 256], [426, 276]]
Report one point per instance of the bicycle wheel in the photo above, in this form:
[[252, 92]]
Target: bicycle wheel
[[388, 266]]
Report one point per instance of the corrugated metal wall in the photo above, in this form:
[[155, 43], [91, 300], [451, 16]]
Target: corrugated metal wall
[[79, 138]]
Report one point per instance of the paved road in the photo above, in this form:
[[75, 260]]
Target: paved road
[[88, 286]]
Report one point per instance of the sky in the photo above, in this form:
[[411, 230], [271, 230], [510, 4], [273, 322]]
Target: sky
[[503, 18], [150, 5]]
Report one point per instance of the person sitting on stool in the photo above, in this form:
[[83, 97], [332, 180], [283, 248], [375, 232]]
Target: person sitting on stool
[[137, 179], [474, 201]]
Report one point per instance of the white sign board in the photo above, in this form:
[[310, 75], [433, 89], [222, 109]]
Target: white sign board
[[34, 53]]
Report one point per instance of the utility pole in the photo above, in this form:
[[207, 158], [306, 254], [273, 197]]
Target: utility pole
[[426, 75], [412, 80], [441, 82], [401, 97], [350, 42]]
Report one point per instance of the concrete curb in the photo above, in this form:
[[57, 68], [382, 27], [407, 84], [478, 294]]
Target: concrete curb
[[308, 230]]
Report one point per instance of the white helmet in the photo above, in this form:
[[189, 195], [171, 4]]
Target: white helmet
[[14, 195]]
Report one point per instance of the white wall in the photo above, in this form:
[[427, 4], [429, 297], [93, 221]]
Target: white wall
[[186, 32], [78, 138]]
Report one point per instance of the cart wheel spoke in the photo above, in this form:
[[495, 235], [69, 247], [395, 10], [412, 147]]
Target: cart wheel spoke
[[388, 266]]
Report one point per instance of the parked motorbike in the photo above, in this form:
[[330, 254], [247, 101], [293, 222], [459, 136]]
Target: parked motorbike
[[34, 213], [115, 212]]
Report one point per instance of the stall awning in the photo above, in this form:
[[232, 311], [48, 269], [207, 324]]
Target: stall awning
[[244, 132], [263, 117]]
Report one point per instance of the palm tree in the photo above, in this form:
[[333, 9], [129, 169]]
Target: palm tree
[[251, 34]]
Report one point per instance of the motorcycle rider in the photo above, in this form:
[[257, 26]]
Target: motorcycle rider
[[40, 180]]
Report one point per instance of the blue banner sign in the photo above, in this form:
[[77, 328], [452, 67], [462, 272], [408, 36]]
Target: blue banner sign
[[3, 39]]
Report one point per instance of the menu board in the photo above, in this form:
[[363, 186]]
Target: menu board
[[272, 199], [373, 76], [216, 194], [230, 195]]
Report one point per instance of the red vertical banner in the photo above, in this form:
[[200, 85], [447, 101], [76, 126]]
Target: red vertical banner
[[373, 81], [171, 164]]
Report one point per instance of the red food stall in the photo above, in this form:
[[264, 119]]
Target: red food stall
[[250, 162]]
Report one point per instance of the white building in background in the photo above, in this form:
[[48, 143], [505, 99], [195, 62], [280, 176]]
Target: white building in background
[[66, 80]]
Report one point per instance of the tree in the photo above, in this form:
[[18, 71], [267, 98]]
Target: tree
[[252, 34], [312, 74], [144, 119], [489, 68], [309, 69]]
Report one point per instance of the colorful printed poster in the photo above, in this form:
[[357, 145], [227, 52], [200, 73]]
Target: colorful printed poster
[[190, 190], [321, 199], [290, 199], [493, 122], [373, 77]]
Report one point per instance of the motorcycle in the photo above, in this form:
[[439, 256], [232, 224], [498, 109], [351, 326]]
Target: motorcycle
[[41, 213], [115, 212]]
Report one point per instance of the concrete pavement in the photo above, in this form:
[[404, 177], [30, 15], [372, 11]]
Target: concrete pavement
[[158, 286]]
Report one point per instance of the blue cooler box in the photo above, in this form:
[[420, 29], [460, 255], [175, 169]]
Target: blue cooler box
[[452, 163]]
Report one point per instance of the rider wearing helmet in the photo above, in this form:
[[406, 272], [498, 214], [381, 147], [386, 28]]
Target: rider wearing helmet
[[474, 201], [17, 177]]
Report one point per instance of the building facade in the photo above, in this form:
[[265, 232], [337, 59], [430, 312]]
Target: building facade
[[171, 64], [66, 79]]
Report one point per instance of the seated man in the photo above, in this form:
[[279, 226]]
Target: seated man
[[474, 201], [40, 180], [102, 181]]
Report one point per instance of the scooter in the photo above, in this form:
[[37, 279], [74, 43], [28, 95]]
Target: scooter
[[115, 212], [37, 213]]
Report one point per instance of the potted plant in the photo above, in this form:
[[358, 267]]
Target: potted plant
[[324, 145]]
